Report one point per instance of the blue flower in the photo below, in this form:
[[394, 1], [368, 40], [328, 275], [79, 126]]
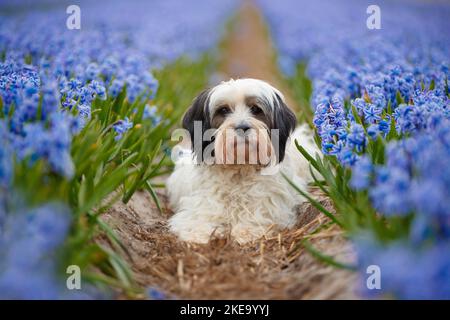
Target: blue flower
[[115, 88], [155, 294], [121, 127], [406, 272], [359, 104], [74, 84], [152, 84], [390, 191], [347, 157], [391, 80], [70, 70], [372, 113], [150, 113], [92, 71], [6, 161], [384, 127], [404, 116], [357, 137], [28, 247], [373, 131], [134, 87], [361, 173], [98, 88]]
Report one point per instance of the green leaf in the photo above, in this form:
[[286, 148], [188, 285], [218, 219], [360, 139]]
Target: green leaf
[[399, 98], [314, 202], [432, 85], [326, 258], [356, 115], [307, 156], [153, 194]]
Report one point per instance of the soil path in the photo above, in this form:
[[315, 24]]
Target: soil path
[[249, 53], [275, 268]]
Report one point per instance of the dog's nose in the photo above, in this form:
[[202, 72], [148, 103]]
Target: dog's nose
[[242, 128]]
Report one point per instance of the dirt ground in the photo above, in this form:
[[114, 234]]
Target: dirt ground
[[275, 268]]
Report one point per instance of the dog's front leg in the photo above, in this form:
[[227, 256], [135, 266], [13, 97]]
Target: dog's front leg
[[197, 221]]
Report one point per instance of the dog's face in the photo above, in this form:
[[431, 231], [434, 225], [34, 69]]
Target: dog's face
[[243, 122]]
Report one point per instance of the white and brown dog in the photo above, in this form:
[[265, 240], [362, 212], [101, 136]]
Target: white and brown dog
[[230, 177]]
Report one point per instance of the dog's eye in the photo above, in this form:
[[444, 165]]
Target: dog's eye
[[256, 110], [223, 110]]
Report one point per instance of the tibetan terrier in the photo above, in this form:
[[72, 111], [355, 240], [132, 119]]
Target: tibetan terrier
[[229, 178]]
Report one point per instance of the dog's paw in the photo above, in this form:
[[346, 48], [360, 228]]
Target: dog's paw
[[193, 236], [195, 231]]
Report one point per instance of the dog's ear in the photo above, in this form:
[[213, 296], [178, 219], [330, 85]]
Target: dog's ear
[[285, 121], [197, 116]]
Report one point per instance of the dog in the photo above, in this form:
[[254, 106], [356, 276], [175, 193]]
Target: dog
[[231, 167]]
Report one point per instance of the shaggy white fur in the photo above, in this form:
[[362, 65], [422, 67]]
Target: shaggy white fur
[[245, 201]]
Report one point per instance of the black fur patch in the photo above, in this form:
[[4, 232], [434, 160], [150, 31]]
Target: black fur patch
[[285, 121], [198, 111]]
